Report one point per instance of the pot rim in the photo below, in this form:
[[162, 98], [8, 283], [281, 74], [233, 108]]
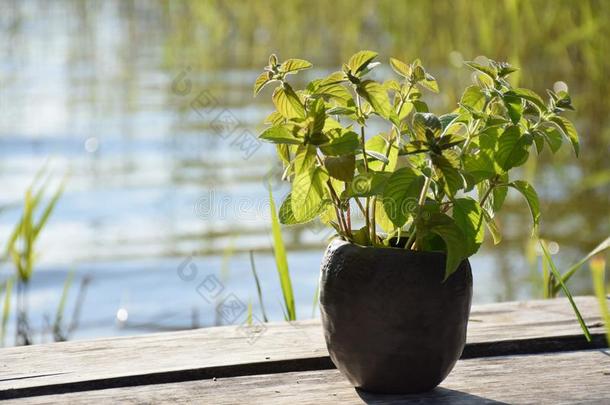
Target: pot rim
[[338, 243]]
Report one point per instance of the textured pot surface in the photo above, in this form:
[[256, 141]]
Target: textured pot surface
[[391, 325]]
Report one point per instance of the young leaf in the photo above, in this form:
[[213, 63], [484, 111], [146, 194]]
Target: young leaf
[[360, 60], [400, 67], [531, 197], [528, 95], [308, 193], [345, 144], [474, 98], [569, 130], [291, 66], [376, 95], [512, 148], [429, 82], [488, 70], [400, 195], [261, 81], [280, 135], [287, 102], [468, 215]]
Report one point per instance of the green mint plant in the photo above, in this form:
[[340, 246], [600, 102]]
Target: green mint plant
[[431, 182]]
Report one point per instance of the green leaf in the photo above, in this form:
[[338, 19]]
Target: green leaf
[[333, 79], [307, 195], [287, 102], [400, 67], [569, 130], [424, 122], [448, 174], [468, 215], [261, 81], [512, 148], [530, 195], [480, 166], [281, 262], [492, 227], [305, 158], [455, 243], [291, 66], [377, 96], [367, 184], [381, 217], [280, 135], [377, 156], [285, 214], [488, 70], [341, 111], [528, 95], [360, 60], [341, 168], [447, 119], [401, 194], [514, 107], [429, 83], [474, 98], [554, 137], [346, 143], [565, 289], [379, 143]]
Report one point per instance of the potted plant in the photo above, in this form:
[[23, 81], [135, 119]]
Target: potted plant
[[410, 202]]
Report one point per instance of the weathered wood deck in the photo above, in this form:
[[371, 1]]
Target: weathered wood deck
[[517, 352]]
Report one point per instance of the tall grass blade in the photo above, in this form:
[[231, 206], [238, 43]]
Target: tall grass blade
[[6, 308], [49, 208], [574, 268], [258, 287], [598, 270], [281, 261], [58, 334], [555, 272], [316, 296]]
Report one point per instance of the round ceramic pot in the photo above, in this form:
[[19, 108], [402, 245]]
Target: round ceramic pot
[[391, 324]]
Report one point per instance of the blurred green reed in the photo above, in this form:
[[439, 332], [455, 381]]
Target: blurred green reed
[[598, 270]]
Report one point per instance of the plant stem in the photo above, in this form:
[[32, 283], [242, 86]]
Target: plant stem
[[492, 184], [367, 214], [420, 206]]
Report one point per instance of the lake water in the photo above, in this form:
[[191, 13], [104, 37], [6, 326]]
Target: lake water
[[148, 107]]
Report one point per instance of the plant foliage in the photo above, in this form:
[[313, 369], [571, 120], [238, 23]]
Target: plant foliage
[[436, 180]]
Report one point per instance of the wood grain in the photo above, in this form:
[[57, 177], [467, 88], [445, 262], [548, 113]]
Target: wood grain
[[555, 378], [494, 329]]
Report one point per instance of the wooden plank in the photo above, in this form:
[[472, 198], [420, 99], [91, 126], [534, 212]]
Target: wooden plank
[[567, 377], [494, 329]]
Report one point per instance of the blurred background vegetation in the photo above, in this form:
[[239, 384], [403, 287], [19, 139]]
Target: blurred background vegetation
[[90, 84]]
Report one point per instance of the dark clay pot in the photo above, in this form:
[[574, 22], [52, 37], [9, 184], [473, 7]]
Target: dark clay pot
[[391, 325]]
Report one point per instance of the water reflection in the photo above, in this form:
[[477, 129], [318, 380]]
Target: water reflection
[[92, 85]]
